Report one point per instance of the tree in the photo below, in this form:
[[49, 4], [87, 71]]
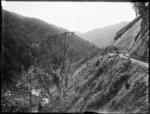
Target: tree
[[66, 42], [44, 82], [27, 77], [140, 7], [52, 60]]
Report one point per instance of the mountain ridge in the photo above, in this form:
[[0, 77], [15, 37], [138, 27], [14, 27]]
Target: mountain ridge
[[102, 37], [22, 37]]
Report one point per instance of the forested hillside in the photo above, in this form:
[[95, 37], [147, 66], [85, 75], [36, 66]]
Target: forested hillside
[[23, 35]]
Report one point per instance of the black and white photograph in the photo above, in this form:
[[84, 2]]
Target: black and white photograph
[[75, 56]]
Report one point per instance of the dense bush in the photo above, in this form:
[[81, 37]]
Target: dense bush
[[97, 63], [95, 100], [9, 106], [120, 80], [124, 65], [107, 50], [98, 86]]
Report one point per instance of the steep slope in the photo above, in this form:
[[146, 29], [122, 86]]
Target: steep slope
[[140, 49], [22, 36], [106, 84], [103, 37], [114, 83], [134, 38], [126, 40]]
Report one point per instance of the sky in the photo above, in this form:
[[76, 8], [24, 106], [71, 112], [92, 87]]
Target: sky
[[75, 16]]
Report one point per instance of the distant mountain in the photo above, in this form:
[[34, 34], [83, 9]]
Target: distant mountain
[[102, 37], [78, 33], [22, 36]]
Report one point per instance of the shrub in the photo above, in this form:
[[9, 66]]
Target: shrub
[[87, 94], [98, 86], [92, 84], [122, 78], [84, 86], [124, 66], [127, 85], [77, 88], [8, 106], [127, 63], [76, 97], [95, 101], [113, 103], [97, 63], [98, 72]]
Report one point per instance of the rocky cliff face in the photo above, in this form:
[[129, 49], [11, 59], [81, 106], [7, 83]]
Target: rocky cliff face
[[140, 49], [127, 38], [135, 38]]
